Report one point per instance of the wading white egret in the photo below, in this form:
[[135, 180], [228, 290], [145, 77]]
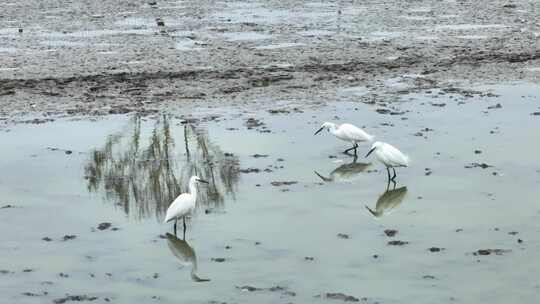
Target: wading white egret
[[347, 132], [389, 156], [185, 254], [184, 204]]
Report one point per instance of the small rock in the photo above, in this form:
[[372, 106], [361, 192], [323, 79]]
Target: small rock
[[497, 106], [7, 206], [68, 152], [46, 239], [69, 237], [435, 249], [338, 296], [308, 258], [477, 151], [491, 251], [397, 243], [259, 155], [250, 170], [104, 226], [76, 298], [430, 277], [513, 232], [343, 236], [284, 183], [520, 241], [390, 232], [218, 260]]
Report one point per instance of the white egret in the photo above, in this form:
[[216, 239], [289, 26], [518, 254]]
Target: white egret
[[389, 156], [347, 132], [184, 204]]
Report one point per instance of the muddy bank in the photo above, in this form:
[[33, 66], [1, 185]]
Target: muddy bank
[[70, 59]]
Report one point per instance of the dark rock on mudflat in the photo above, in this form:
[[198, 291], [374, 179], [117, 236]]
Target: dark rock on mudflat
[[428, 277], [390, 232], [46, 239], [249, 170], [397, 243], [343, 236], [104, 226], [74, 298], [69, 237], [338, 296], [491, 251], [259, 155], [7, 206], [435, 249], [218, 260], [478, 165], [284, 183]]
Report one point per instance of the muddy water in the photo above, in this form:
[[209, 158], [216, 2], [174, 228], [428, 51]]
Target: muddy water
[[310, 237]]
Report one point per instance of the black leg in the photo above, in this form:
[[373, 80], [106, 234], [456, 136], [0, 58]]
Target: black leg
[[184, 227], [175, 227], [355, 147], [388, 171], [394, 177]]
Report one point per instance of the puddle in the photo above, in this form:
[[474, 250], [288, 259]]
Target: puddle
[[278, 199]]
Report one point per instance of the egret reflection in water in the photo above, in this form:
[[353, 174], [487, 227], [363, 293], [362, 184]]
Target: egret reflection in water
[[143, 170], [388, 201], [185, 254], [345, 171]]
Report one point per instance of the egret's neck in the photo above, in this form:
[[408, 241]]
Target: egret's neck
[[193, 188]]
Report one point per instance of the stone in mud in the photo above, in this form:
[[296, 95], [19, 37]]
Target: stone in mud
[[397, 243], [478, 165], [46, 239], [218, 260], [160, 22], [259, 155], [74, 298], [477, 151], [535, 113], [309, 258], [390, 232], [497, 106], [284, 183], [513, 232], [338, 296], [343, 236], [429, 277], [435, 249], [104, 226], [491, 251], [69, 237]]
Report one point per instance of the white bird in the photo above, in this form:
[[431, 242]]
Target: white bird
[[184, 204], [389, 156], [347, 132]]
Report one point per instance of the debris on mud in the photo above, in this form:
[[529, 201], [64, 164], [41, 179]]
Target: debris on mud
[[428, 277], [491, 251], [104, 226], [283, 183], [7, 206], [397, 243], [218, 260], [46, 239], [435, 249], [390, 232], [69, 237], [259, 155], [338, 296], [251, 123], [478, 165], [497, 106], [283, 290], [74, 298], [309, 258], [343, 236]]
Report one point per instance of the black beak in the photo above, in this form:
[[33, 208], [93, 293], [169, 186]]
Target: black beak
[[318, 131], [202, 181], [370, 152]]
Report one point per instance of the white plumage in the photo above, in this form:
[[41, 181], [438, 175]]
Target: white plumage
[[390, 156], [184, 204], [347, 132]]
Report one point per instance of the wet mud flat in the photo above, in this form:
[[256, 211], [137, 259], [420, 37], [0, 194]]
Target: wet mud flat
[[63, 59], [286, 217]]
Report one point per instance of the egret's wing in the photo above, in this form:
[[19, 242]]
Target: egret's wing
[[355, 132], [179, 207], [396, 157]]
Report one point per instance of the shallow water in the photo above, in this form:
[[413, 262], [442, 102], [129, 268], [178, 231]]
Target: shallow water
[[125, 169]]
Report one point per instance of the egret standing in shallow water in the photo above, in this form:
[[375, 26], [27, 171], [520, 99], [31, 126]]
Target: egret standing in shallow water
[[347, 132], [184, 204], [389, 156]]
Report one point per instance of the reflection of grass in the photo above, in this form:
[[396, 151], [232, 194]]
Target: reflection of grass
[[144, 176]]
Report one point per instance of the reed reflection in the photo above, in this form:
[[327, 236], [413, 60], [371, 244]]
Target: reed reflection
[[388, 201], [185, 254], [142, 169]]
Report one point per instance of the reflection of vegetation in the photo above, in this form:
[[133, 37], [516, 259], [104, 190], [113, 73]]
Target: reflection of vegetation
[[146, 175]]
